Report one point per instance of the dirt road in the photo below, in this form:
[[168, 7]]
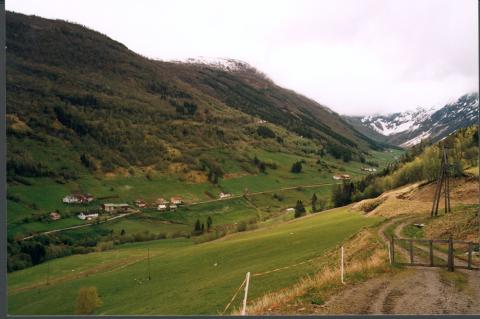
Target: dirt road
[[420, 290]]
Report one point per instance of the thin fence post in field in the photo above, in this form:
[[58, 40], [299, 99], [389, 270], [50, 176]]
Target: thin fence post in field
[[451, 267], [244, 308], [470, 255], [431, 252], [341, 265], [411, 252], [389, 252], [393, 250]]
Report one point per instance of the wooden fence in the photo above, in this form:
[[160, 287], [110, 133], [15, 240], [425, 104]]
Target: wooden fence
[[436, 253]]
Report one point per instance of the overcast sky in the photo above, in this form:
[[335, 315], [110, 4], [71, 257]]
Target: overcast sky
[[355, 56]]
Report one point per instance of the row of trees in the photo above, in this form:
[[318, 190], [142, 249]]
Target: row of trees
[[316, 204], [199, 227]]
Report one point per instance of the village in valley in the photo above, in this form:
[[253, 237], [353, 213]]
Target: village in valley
[[108, 209], [161, 204]]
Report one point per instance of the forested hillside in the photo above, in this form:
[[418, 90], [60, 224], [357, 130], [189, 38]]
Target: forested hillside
[[80, 102]]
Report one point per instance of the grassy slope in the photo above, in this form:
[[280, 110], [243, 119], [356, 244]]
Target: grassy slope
[[44, 195], [176, 287]]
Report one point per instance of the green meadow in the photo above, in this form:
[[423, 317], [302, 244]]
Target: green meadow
[[186, 278], [43, 195]]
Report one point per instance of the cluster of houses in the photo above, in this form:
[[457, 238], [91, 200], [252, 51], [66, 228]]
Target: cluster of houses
[[368, 169], [342, 176], [78, 198], [163, 204], [111, 208]]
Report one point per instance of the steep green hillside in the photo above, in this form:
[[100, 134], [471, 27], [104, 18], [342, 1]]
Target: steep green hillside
[[86, 114], [88, 103]]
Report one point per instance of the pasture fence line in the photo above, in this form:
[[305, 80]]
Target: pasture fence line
[[235, 295], [434, 256], [246, 281]]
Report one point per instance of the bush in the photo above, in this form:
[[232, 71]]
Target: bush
[[296, 167], [265, 132], [242, 226], [87, 301]]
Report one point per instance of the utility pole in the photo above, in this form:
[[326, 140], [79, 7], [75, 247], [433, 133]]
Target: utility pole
[[148, 265], [48, 273], [442, 180]]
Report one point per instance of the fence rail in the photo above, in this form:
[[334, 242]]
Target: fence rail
[[435, 256]]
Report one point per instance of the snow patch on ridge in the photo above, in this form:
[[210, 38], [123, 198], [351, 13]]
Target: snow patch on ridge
[[225, 64]]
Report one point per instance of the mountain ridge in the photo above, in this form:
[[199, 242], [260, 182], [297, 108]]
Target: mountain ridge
[[409, 128], [102, 106]]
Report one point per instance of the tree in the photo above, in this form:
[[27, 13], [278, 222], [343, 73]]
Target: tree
[[342, 194], [296, 167], [198, 227], [122, 232], [299, 209], [209, 223], [87, 301], [202, 229], [314, 203]]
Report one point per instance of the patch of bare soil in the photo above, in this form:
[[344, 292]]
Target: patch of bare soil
[[418, 198], [462, 190], [414, 291], [420, 290]]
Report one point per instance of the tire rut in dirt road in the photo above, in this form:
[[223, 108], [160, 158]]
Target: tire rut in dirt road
[[418, 290]]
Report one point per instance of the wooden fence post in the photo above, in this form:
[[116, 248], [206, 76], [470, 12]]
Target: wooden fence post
[[470, 255], [451, 266], [431, 253], [389, 252], [393, 250], [341, 266], [244, 308], [411, 252]]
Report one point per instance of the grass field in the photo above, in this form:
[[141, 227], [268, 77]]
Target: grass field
[[44, 195], [186, 278]]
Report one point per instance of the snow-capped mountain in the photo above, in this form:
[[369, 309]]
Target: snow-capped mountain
[[411, 127], [225, 64], [397, 122]]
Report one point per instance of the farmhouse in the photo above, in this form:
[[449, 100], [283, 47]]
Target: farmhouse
[[83, 216], [78, 199], [176, 200], [161, 201], [55, 216], [368, 169], [173, 207], [224, 195], [140, 203], [343, 176], [111, 208], [162, 207], [291, 209]]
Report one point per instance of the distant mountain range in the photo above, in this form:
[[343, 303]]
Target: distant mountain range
[[409, 128]]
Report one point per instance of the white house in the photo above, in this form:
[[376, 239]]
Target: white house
[[173, 207], [176, 200], [162, 207], [77, 199], [71, 199], [83, 216], [224, 195], [110, 208]]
